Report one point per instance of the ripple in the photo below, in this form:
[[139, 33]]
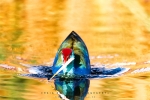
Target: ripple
[[96, 72], [141, 70]]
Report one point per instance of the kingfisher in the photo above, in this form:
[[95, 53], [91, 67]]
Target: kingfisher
[[72, 47]]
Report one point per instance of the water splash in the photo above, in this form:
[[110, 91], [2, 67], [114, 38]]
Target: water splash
[[96, 72]]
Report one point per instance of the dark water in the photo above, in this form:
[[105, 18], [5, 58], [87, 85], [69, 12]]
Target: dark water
[[116, 34]]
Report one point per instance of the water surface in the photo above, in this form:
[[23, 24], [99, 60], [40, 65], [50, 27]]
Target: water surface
[[116, 34]]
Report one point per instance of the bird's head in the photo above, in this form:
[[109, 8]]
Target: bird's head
[[66, 54]]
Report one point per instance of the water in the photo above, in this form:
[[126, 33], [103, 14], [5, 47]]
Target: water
[[116, 35]]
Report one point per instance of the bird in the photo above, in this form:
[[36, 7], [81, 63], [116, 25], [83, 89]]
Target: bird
[[72, 47]]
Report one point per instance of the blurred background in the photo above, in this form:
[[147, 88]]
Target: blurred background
[[31, 32]]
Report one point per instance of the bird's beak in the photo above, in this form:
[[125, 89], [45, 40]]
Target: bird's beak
[[66, 59]]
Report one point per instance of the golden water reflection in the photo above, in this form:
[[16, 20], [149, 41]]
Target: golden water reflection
[[32, 30]]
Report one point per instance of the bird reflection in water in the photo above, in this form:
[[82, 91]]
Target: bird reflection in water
[[75, 89]]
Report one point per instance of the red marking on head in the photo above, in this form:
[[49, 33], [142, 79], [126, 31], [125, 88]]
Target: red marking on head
[[66, 53]]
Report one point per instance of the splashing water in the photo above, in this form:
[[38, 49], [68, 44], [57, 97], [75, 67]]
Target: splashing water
[[97, 71]]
